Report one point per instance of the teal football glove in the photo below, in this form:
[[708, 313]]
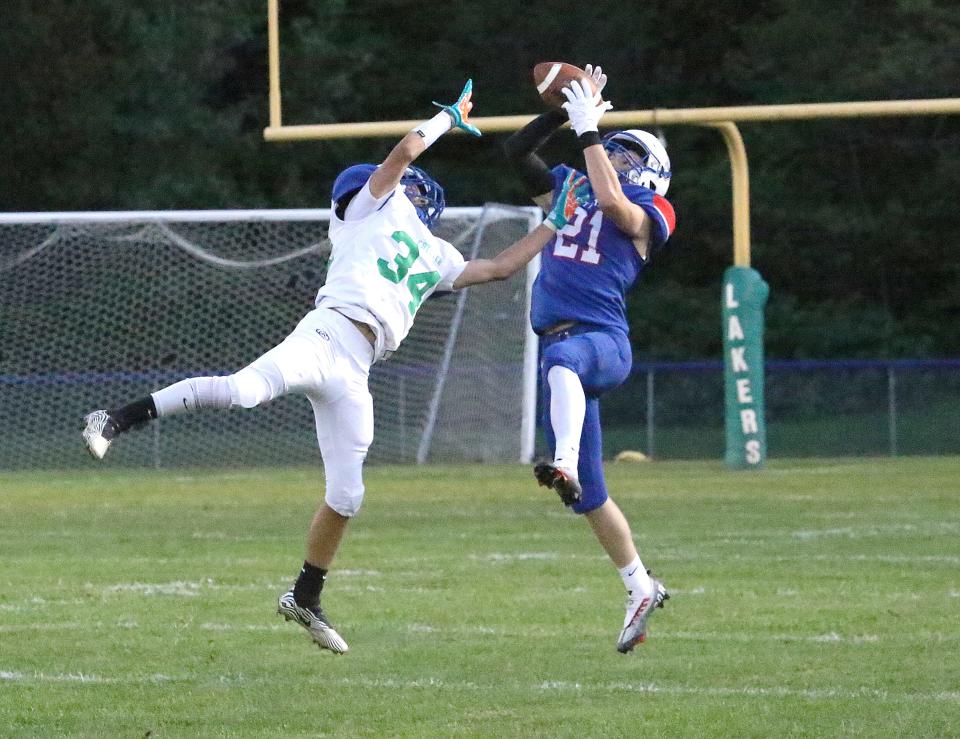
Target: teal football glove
[[574, 192], [459, 110]]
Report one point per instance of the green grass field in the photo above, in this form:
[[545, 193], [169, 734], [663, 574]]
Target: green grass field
[[815, 598]]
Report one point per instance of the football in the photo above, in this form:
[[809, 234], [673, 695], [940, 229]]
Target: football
[[551, 77]]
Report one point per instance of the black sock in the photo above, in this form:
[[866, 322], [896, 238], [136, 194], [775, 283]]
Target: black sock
[[306, 591], [134, 414]]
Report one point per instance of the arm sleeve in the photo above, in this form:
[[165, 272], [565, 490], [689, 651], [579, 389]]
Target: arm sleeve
[[521, 149]]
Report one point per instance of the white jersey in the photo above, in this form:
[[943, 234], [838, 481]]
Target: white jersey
[[384, 263]]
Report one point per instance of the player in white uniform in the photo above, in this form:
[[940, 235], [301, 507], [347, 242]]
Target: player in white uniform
[[384, 263]]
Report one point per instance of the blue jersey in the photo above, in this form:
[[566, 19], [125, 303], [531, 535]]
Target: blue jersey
[[587, 270]]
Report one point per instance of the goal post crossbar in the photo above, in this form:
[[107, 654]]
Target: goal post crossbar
[[652, 117]]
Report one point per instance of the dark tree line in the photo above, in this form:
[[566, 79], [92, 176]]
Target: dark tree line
[[152, 104]]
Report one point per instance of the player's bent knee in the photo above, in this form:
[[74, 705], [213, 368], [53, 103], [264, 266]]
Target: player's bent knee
[[248, 388], [559, 355], [589, 503], [346, 502]]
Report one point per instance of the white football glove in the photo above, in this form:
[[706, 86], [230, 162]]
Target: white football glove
[[597, 75], [583, 109]]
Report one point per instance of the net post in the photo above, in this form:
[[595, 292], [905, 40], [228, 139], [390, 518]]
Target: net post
[[651, 409], [423, 450], [156, 446], [531, 349], [892, 409]]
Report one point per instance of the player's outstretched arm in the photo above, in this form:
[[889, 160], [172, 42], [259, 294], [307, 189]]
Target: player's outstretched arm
[[629, 217], [574, 192], [585, 111], [507, 262], [455, 115]]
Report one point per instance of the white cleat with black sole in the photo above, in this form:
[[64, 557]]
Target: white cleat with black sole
[[314, 621], [639, 608], [98, 431]]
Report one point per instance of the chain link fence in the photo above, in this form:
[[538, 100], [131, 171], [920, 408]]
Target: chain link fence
[[815, 408]]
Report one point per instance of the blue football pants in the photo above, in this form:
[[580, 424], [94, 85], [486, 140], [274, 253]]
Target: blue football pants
[[602, 360]]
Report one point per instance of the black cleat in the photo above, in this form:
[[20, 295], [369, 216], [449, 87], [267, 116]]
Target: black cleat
[[561, 480]]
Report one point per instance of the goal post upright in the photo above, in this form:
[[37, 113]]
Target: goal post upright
[[273, 43], [743, 302]]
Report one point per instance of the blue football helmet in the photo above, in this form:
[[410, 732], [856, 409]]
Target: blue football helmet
[[422, 190], [350, 180], [639, 158]]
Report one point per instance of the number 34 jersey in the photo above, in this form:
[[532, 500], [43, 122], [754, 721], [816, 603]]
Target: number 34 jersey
[[588, 268], [383, 266]]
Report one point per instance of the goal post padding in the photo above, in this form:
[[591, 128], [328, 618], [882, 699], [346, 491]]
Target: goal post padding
[[98, 309]]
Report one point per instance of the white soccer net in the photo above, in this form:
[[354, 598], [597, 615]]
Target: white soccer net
[[102, 308]]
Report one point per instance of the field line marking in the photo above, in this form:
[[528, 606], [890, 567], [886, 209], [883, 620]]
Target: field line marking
[[560, 686], [527, 633]]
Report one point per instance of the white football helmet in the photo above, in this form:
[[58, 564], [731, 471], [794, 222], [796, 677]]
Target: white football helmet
[[640, 158]]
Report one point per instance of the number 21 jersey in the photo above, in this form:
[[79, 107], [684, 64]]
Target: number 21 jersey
[[588, 268]]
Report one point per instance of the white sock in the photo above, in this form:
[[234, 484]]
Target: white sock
[[567, 408], [635, 577], [191, 394]]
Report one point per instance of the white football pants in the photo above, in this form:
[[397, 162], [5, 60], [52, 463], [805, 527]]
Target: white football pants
[[325, 358]]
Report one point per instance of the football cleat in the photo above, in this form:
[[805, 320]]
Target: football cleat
[[314, 621], [98, 432], [562, 480], [639, 608]]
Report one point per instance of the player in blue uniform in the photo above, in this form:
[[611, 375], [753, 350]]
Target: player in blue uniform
[[579, 311]]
